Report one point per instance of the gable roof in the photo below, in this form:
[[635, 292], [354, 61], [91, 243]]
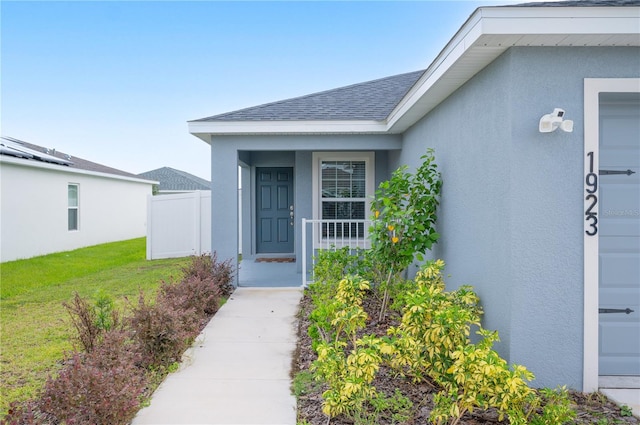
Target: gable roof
[[371, 100], [486, 34], [33, 154], [171, 179]]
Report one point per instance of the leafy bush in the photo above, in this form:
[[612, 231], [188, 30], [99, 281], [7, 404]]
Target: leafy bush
[[200, 297], [433, 341], [404, 218], [90, 321], [164, 330], [346, 363], [430, 344], [26, 413], [101, 387], [207, 266], [434, 324], [161, 332]]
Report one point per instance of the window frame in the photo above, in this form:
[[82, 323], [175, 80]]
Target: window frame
[[75, 208], [318, 158]]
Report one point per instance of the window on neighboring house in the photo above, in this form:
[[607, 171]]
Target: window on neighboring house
[[344, 185], [72, 208]]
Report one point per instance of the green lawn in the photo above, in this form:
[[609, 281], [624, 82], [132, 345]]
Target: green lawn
[[34, 326]]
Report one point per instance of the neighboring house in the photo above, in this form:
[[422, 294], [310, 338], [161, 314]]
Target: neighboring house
[[175, 181], [53, 202], [545, 225]]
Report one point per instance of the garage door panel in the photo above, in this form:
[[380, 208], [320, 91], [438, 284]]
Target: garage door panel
[[620, 298], [618, 159], [619, 270], [620, 201], [619, 245], [619, 365], [620, 339]]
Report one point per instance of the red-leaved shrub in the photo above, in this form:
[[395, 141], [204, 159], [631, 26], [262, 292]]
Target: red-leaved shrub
[[161, 333], [27, 413], [194, 294], [101, 387], [207, 266], [85, 320]]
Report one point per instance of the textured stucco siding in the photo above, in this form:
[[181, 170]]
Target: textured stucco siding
[[511, 216], [34, 210]]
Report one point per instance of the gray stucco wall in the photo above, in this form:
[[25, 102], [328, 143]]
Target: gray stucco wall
[[511, 216]]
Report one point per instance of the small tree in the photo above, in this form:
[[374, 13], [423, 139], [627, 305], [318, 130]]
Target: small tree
[[404, 218]]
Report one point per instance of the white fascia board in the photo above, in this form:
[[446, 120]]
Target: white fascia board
[[201, 128], [462, 41], [503, 27], [66, 169]]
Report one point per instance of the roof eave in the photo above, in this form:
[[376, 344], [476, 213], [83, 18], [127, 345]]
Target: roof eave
[[66, 169], [205, 130], [490, 31]]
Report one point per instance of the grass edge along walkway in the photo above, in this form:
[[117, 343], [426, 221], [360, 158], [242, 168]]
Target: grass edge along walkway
[[35, 328]]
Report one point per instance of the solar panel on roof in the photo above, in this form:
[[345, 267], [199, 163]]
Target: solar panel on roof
[[13, 148]]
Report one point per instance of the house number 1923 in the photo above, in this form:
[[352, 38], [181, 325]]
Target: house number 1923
[[591, 198]]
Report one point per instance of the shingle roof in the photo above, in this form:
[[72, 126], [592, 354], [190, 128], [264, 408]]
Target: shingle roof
[[65, 159], [172, 179], [371, 100]]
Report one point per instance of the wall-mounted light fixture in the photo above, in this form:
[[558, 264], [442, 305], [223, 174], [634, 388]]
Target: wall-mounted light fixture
[[551, 122]]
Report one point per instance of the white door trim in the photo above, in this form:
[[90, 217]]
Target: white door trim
[[592, 89]]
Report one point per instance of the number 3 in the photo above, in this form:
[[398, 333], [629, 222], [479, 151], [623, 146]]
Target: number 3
[[594, 225]]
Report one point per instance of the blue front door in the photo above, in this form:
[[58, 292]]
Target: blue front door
[[274, 221]]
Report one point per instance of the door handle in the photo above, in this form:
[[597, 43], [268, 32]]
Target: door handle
[[615, 310], [610, 172]]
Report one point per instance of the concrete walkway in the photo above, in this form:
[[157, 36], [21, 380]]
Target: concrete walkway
[[237, 371]]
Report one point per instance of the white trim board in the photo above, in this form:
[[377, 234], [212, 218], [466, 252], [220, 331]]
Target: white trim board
[[593, 87]]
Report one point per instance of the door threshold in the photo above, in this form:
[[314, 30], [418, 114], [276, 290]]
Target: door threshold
[[276, 255]]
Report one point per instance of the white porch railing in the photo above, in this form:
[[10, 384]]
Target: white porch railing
[[333, 235]]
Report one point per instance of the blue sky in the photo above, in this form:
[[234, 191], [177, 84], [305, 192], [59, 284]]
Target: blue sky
[[115, 82]]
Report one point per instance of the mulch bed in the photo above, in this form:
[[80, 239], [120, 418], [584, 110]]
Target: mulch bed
[[590, 408]]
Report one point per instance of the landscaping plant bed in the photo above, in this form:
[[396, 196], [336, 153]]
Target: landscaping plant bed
[[592, 408]]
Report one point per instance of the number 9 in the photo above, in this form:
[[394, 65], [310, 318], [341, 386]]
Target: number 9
[[592, 182]]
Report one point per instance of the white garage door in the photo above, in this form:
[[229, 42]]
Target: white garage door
[[619, 236]]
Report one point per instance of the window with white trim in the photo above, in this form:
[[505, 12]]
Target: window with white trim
[[72, 206], [343, 185]]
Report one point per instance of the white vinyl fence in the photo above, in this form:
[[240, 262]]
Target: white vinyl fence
[[178, 225]]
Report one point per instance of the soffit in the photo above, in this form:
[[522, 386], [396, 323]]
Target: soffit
[[489, 32]]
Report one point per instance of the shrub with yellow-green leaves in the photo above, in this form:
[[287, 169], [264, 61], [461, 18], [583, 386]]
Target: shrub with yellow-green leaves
[[434, 324], [345, 363], [432, 342]]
